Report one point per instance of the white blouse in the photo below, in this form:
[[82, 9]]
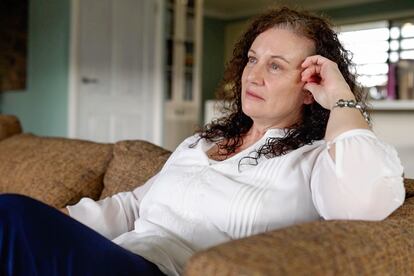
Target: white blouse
[[195, 202]]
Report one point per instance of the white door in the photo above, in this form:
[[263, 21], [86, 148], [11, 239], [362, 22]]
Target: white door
[[117, 76]]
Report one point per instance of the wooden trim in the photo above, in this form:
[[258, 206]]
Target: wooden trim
[[159, 74]]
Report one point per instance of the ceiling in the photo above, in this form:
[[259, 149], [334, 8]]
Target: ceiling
[[230, 9]]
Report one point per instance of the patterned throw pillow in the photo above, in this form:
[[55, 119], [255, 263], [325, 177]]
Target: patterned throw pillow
[[133, 163], [57, 171]]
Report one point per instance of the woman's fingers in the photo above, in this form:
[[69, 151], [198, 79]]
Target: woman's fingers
[[324, 80], [313, 68], [320, 67], [315, 60], [311, 74]]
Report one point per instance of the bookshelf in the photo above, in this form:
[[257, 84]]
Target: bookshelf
[[182, 69]]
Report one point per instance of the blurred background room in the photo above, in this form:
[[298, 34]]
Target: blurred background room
[[109, 70]]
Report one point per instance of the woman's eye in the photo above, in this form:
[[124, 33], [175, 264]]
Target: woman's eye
[[274, 66], [251, 60]]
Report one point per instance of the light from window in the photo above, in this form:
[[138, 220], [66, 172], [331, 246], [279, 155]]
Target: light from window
[[377, 34], [395, 32], [380, 51], [394, 57], [407, 54], [394, 45], [407, 43], [407, 30], [369, 44]]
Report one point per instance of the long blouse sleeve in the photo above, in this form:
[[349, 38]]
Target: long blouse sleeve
[[364, 182], [113, 215]]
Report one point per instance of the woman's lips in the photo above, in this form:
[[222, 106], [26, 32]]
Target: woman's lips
[[253, 95]]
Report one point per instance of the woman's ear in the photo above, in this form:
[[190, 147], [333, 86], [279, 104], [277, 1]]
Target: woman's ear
[[308, 97]]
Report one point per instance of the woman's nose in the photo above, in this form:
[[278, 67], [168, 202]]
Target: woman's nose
[[256, 74]]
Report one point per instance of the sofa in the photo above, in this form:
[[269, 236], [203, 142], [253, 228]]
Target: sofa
[[60, 171]]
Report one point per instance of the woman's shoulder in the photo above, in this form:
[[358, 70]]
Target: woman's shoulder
[[190, 141], [309, 151]]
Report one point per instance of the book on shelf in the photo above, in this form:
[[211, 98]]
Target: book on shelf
[[405, 79], [392, 82]]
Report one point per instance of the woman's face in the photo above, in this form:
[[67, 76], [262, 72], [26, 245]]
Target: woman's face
[[272, 90]]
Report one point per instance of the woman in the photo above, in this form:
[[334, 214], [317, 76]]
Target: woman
[[295, 147]]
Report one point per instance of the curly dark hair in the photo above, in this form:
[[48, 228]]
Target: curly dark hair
[[227, 132]]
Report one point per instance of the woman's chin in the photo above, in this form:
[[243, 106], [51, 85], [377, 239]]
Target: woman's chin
[[252, 111]]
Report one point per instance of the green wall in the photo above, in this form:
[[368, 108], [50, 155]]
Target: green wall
[[42, 107], [376, 10], [213, 56]]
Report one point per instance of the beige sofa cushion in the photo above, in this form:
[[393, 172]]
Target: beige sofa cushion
[[9, 125], [409, 187], [330, 247], [133, 163], [57, 171]]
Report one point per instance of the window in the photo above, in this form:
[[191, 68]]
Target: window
[[383, 53]]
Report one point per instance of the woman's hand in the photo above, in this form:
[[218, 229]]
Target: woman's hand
[[324, 80]]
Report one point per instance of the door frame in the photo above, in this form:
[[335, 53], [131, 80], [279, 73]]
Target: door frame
[[73, 89]]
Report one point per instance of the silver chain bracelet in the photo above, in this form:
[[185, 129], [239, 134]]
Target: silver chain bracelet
[[354, 104]]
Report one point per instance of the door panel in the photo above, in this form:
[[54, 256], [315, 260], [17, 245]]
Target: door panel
[[117, 90]]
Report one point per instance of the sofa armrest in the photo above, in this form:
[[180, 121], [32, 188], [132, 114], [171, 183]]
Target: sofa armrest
[[9, 126], [318, 248]]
